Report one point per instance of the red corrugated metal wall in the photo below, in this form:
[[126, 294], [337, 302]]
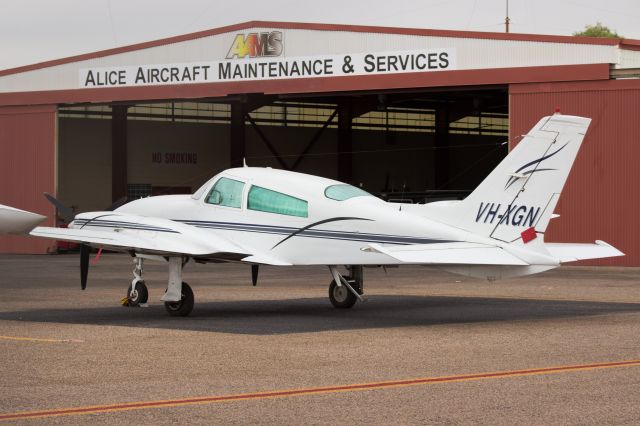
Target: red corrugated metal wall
[[601, 199], [27, 168]]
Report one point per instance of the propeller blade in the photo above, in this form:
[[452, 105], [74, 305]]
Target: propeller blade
[[254, 274], [85, 251], [64, 211]]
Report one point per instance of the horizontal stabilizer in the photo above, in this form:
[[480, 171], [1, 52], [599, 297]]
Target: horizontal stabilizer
[[449, 254], [574, 252]]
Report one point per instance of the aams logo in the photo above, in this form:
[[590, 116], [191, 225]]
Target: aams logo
[[256, 45], [509, 214]]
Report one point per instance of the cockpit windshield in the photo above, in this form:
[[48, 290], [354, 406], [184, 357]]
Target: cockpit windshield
[[343, 192], [200, 192], [226, 192]]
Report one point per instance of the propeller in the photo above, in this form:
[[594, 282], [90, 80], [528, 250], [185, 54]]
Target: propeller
[[254, 274], [68, 214], [64, 211], [85, 251]]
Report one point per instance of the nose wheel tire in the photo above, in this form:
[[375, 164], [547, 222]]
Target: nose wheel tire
[[184, 306], [341, 297], [139, 295]]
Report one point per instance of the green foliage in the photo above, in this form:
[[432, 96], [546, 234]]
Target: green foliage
[[597, 30]]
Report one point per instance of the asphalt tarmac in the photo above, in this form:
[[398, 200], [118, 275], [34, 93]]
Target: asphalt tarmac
[[427, 347]]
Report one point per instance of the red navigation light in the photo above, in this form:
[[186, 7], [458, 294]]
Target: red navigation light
[[556, 110]]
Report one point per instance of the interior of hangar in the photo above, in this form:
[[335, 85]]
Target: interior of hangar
[[403, 146]]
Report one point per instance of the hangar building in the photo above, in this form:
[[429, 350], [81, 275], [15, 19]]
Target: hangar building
[[404, 113]]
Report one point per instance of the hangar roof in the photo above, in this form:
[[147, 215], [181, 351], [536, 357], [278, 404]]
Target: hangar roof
[[283, 57]]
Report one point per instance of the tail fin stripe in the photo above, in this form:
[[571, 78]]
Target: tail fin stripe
[[541, 159]]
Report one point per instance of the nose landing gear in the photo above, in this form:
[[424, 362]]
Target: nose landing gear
[[137, 293]]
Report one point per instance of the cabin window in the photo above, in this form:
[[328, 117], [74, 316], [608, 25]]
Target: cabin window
[[226, 192], [343, 192], [265, 200]]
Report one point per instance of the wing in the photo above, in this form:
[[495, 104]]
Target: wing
[[157, 236], [449, 253]]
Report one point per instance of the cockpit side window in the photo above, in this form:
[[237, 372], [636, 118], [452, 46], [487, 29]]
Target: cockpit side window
[[226, 192], [343, 192], [266, 200]]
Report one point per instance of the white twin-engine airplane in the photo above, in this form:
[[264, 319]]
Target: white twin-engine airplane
[[262, 216]]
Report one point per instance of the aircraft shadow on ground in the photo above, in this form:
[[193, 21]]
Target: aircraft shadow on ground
[[317, 315]]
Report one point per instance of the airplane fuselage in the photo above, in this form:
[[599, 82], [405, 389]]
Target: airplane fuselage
[[333, 231]]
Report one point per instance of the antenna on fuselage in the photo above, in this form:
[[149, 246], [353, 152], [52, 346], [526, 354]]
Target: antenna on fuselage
[[244, 162]]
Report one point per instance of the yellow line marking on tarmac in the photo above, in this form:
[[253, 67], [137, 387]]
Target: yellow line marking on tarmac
[[34, 339], [141, 405]]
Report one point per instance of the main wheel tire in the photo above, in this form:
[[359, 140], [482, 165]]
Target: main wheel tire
[[341, 297], [140, 294], [184, 306]]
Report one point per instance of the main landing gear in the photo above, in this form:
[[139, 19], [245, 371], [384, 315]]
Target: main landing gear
[[184, 306], [344, 292], [178, 298]]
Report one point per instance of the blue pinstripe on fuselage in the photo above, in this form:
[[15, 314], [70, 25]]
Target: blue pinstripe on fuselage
[[266, 229]]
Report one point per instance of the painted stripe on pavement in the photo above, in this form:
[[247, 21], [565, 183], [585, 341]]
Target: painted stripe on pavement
[[314, 390]]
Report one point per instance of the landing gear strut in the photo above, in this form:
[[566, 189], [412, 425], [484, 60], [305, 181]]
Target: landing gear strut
[[344, 292], [137, 293], [178, 300]]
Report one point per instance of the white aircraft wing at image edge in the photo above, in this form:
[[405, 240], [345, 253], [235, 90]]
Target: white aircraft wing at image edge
[[16, 221]]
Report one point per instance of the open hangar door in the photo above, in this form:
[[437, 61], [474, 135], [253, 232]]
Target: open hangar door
[[414, 146], [112, 151]]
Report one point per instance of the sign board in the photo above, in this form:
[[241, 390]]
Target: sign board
[[259, 57]]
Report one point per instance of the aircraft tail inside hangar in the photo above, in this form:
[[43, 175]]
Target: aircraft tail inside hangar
[[407, 114]]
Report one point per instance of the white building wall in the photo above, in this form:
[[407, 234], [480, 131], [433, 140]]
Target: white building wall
[[471, 54], [629, 59]]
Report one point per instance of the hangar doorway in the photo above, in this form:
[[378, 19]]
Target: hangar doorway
[[412, 146]]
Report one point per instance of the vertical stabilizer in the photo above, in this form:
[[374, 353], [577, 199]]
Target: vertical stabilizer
[[516, 201]]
